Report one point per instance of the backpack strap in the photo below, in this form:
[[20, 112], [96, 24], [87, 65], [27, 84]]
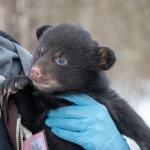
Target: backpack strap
[[10, 112]]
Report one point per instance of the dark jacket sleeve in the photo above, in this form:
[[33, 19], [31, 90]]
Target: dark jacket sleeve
[[5, 145]]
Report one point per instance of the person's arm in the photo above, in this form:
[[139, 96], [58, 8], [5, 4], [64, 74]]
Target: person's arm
[[9, 65], [87, 124], [14, 60]]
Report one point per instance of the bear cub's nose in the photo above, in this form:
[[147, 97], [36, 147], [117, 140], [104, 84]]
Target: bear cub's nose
[[35, 73]]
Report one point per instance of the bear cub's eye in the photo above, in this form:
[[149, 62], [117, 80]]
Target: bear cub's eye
[[61, 61], [39, 54]]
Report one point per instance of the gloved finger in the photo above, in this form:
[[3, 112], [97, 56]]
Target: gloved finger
[[68, 135], [76, 125], [78, 112], [80, 99], [73, 112], [81, 139]]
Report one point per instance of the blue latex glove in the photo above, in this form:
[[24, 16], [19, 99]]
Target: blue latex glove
[[88, 124]]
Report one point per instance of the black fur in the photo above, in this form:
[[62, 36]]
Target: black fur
[[82, 73]]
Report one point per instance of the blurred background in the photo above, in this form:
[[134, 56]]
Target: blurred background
[[123, 25]]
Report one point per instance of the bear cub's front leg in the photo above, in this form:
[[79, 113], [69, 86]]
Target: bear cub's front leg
[[13, 84]]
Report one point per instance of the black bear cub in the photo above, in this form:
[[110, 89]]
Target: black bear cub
[[68, 61]]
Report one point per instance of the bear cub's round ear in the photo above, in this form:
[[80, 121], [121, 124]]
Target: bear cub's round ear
[[41, 30], [107, 57]]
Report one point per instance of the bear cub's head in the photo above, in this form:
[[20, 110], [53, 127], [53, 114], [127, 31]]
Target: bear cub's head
[[67, 58]]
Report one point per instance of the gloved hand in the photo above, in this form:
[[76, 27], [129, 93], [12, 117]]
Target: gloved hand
[[88, 124]]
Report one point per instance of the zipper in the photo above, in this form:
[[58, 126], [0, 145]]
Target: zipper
[[21, 136]]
